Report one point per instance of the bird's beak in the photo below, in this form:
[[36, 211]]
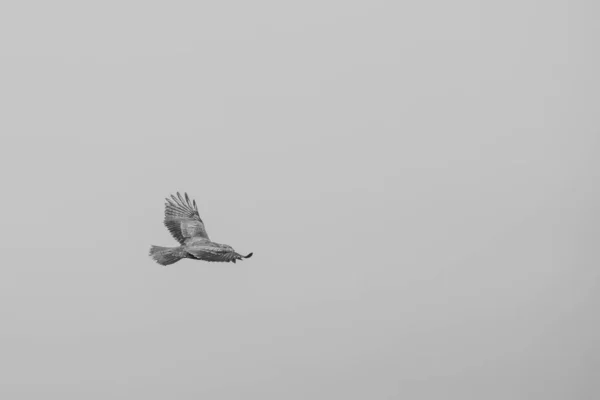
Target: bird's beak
[[239, 256]]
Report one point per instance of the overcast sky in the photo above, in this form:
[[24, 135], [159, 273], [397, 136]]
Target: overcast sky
[[418, 181]]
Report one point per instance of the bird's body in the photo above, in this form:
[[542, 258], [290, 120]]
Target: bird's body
[[183, 221]]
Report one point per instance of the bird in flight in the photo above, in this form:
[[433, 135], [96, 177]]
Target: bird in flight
[[186, 226]]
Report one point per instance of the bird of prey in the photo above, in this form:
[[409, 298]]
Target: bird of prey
[[186, 226]]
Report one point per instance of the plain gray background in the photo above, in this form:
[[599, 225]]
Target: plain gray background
[[418, 181]]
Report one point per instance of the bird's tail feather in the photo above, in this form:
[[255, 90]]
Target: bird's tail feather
[[165, 255]]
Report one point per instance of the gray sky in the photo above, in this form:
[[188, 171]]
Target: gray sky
[[418, 182]]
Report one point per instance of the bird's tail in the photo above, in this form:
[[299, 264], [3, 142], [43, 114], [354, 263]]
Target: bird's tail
[[166, 255]]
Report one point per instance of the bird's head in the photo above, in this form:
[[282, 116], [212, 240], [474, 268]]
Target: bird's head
[[232, 254]]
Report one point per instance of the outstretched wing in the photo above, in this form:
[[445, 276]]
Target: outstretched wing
[[211, 252], [182, 219]]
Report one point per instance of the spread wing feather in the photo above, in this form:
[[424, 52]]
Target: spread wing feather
[[182, 219]]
